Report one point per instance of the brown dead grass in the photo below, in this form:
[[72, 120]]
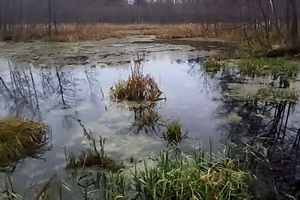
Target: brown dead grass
[[80, 32], [19, 139], [138, 87]]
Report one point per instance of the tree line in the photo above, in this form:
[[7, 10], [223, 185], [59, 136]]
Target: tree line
[[267, 15]]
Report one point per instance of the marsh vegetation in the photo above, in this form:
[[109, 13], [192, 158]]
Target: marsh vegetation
[[250, 104], [20, 139], [138, 87]]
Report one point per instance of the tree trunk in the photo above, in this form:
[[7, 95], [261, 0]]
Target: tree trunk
[[49, 17], [294, 25]]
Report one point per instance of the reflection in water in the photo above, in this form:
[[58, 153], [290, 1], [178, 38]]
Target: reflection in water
[[263, 140], [61, 96], [6, 187], [205, 79], [147, 119]]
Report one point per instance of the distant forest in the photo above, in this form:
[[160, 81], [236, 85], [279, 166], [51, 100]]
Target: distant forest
[[266, 17], [145, 11]]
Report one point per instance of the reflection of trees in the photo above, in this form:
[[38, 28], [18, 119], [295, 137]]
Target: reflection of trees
[[197, 71], [263, 140], [26, 90]]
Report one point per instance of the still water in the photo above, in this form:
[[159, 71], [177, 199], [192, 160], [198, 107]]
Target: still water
[[59, 97]]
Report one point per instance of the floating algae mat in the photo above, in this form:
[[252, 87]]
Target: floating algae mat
[[263, 93]]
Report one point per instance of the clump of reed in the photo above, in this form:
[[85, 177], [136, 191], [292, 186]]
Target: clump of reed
[[174, 134], [20, 139], [92, 158], [138, 87]]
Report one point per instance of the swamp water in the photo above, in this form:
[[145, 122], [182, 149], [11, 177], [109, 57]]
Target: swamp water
[[67, 97], [60, 96]]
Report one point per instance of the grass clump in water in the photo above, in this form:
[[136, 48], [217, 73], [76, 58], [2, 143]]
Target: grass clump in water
[[181, 176], [95, 158], [20, 139], [90, 159], [173, 134], [138, 87]]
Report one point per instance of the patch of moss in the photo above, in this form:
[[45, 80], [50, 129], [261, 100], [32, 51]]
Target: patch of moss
[[20, 139]]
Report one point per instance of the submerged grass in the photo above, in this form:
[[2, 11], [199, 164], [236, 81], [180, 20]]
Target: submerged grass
[[19, 139], [173, 134], [138, 87]]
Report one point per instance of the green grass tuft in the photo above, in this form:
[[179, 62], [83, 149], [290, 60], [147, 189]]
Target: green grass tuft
[[174, 135]]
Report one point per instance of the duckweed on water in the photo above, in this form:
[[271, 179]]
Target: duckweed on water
[[138, 87], [264, 93], [19, 139]]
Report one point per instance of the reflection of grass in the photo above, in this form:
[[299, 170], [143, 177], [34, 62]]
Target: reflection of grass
[[146, 119], [20, 139], [138, 87]]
